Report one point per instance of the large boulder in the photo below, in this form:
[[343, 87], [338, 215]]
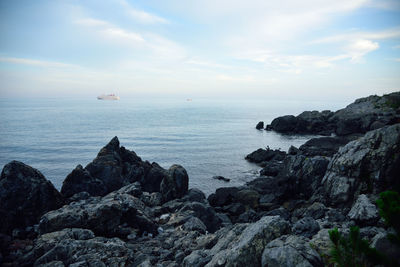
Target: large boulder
[[25, 195], [290, 250], [175, 184], [246, 248], [369, 164], [363, 211], [151, 182]]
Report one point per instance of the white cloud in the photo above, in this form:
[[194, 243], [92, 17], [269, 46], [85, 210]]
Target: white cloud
[[142, 16], [358, 48]]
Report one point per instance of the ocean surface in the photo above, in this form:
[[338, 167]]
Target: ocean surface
[[207, 137]]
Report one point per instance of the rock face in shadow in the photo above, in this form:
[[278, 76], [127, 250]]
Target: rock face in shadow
[[25, 195], [325, 146], [365, 114], [80, 180], [175, 184]]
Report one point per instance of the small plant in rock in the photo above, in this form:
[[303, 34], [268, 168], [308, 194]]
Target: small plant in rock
[[389, 209], [352, 250]]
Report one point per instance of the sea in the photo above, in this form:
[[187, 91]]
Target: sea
[[208, 137]]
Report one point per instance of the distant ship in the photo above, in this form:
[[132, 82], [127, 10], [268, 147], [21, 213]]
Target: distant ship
[[108, 97]]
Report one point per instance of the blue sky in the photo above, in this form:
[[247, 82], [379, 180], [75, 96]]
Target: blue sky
[[309, 49]]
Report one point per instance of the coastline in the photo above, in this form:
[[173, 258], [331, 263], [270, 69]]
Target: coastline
[[120, 210]]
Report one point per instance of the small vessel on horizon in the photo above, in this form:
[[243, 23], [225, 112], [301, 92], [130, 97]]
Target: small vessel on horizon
[[108, 97]]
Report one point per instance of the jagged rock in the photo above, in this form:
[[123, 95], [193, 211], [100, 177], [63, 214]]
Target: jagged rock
[[290, 251], [25, 195], [101, 215], [246, 248], [301, 176], [260, 125], [370, 163], [321, 242], [261, 155], [316, 211], [363, 211], [175, 184], [306, 226], [80, 180]]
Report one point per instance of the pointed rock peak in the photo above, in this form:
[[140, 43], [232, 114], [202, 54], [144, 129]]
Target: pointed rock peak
[[112, 146], [114, 143]]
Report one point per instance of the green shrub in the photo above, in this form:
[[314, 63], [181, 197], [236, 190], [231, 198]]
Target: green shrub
[[389, 209], [351, 250]]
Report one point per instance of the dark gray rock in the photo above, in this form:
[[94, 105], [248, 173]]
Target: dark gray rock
[[271, 168], [205, 213], [101, 215], [195, 224], [306, 227], [223, 196], [175, 184], [324, 146], [151, 182], [316, 211], [25, 195], [261, 155], [260, 125], [97, 251], [293, 150], [386, 247], [80, 180], [290, 250]]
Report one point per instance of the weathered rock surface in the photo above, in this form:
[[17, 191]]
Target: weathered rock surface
[[247, 248], [363, 211], [370, 163], [290, 251], [101, 215], [25, 195]]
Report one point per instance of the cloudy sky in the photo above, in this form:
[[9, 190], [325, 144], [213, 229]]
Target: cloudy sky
[[309, 49]]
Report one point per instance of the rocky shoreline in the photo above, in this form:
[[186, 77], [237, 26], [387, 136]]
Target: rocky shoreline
[[122, 211]]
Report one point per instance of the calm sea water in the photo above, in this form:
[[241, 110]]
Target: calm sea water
[[207, 137]]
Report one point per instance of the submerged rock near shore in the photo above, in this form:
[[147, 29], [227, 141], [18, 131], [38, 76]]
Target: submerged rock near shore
[[122, 211]]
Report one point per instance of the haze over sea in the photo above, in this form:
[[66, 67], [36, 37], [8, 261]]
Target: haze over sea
[[207, 137]]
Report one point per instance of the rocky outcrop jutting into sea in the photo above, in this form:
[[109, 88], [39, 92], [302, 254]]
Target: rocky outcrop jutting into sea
[[122, 211]]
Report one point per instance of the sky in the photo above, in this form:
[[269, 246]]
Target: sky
[[287, 49]]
